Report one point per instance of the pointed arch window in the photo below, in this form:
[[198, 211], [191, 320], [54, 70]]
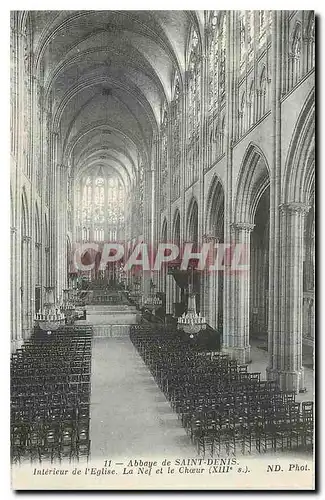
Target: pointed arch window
[[164, 157], [99, 201], [87, 199], [194, 84], [263, 94], [251, 106], [246, 36], [242, 115], [263, 21], [217, 57], [311, 42], [176, 140], [100, 205], [222, 136], [295, 55], [250, 34], [242, 38]]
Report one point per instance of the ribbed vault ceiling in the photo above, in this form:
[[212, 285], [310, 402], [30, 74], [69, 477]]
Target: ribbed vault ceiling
[[107, 75]]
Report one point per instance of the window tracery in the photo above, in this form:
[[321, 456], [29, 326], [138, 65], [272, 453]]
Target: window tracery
[[246, 36], [263, 93], [242, 115], [194, 84], [251, 106], [295, 55], [100, 206], [164, 158], [217, 57], [176, 140], [310, 38]]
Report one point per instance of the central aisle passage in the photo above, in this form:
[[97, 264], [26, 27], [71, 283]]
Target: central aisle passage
[[130, 416]]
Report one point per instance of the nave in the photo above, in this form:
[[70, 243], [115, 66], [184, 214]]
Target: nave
[[146, 395], [130, 416]]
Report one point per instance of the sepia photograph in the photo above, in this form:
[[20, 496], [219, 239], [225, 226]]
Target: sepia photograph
[[162, 249]]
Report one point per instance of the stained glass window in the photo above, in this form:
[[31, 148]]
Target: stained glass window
[[100, 210], [176, 138], [242, 38], [217, 57], [194, 84], [311, 41], [262, 26], [296, 54], [246, 36]]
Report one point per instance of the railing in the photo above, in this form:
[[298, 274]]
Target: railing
[[105, 298]]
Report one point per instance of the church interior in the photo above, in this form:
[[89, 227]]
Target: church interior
[[180, 128]]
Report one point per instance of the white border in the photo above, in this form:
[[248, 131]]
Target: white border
[[5, 202]]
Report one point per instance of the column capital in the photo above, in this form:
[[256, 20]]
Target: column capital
[[26, 239], [38, 245], [243, 226], [294, 207], [210, 238], [13, 229]]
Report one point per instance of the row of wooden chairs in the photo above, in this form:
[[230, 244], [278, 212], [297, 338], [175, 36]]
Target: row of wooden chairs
[[50, 396], [223, 408]]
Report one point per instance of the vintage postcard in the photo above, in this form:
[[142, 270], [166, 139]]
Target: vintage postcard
[[162, 249]]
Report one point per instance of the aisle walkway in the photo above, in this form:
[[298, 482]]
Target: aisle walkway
[[130, 417]]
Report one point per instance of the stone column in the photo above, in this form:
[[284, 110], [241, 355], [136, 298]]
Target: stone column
[[286, 360], [63, 225], [230, 127], [169, 293], [47, 277], [210, 277], [13, 295], [276, 70], [237, 343], [26, 292], [147, 226]]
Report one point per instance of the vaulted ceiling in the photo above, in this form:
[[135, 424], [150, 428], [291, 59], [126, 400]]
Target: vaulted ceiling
[[107, 75]]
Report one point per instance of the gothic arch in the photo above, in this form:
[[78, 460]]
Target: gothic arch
[[163, 234], [25, 214], [176, 226], [253, 180], [215, 209], [37, 225], [299, 170], [192, 221], [194, 33]]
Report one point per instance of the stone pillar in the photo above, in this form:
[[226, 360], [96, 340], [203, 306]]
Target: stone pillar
[[62, 229], [236, 343], [275, 190], [286, 360], [169, 293], [211, 288], [230, 127], [53, 206], [26, 291], [14, 309], [147, 226]]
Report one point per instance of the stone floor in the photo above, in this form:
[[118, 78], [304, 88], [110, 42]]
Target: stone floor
[[130, 416]]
